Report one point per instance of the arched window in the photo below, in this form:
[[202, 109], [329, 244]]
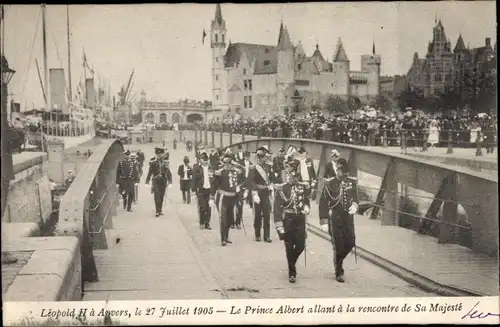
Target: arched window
[[222, 37], [216, 38], [437, 78], [163, 118]]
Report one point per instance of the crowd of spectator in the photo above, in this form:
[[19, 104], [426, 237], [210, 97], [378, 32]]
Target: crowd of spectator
[[374, 131]]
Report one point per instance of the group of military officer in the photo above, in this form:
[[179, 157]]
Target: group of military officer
[[284, 186]]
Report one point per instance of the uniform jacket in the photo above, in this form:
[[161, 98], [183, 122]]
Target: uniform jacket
[[214, 161], [338, 195], [310, 169], [198, 177], [180, 171], [226, 180], [140, 157], [290, 197], [330, 170], [157, 169], [256, 179], [126, 171]]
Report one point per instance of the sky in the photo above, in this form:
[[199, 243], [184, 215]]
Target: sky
[[162, 42]]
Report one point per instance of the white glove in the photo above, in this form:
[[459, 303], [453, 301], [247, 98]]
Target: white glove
[[238, 189], [136, 184], [313, 183], [306, 210], [169, 185], [324, 228], [271, 187], [353, 209], [117, 185], [280, 230], [211, 202], [256, 199], [245, 193]]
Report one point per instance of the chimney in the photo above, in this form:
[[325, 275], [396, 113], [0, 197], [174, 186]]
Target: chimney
[[488, 42]]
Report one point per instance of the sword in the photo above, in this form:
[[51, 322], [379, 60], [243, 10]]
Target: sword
[[240, 207]]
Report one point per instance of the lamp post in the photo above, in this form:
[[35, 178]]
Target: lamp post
[[6, 155], [296, 98]]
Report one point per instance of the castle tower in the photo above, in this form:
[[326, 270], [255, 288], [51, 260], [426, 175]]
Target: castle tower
[[286, 69], [341, 66], [218, 44], [371, 65]]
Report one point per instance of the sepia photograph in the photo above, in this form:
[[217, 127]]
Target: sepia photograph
[[237, 163]]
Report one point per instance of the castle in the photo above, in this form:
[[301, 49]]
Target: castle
[[255, 79], [442, 67]]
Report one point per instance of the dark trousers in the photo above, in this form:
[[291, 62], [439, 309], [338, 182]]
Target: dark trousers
[[204, 211], [341, 228], [159, 188], [127, 191], [262, 212], [225, 206], [186, 194], [295, 239]]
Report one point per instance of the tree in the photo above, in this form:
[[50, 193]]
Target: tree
[[411, 97], [336, 104], [382, 102]]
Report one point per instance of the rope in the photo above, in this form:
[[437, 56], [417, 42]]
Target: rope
[[31, 55]]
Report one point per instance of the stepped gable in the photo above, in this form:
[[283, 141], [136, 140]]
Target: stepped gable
[[265, 56]]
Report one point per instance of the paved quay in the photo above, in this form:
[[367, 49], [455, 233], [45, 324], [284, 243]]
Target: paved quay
[[171, 258]]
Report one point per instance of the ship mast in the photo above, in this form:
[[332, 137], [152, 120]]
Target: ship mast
[[70, 93], [45, 70]]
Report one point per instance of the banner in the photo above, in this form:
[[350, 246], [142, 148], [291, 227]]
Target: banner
[[450, 310]]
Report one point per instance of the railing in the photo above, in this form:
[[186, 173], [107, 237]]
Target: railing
[[89, 204], [461, 204]]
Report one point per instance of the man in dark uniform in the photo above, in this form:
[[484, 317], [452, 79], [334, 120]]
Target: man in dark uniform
[[126, 177], [337, 206], [185, 173], [291, 205], [260, 183], [160, 175], [175, 144], [201, 185], [224, 189], [140, 158], [214, 159], [133, 158], [279, 165], [307, 172], [331, 166]]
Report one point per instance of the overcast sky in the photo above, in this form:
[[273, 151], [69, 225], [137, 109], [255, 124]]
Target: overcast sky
[[163, 42]]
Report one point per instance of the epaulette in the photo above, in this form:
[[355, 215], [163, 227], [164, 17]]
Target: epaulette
[[152, 159]]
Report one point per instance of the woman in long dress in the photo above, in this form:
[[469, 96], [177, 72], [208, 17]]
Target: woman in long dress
[[433, 138], [475, 133]]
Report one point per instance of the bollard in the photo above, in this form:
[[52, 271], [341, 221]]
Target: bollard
[[450, 146], [221, 135], [478, 144], [385, 138], [424, 145]]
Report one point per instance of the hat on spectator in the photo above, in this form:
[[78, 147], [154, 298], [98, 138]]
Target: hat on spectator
[[335, 153], [203, 156], [126, 152], [302, 150], [342, 165], [262, 151], [158, 151]]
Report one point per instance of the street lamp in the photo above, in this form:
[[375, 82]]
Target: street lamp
[[6, 157], [296, 98]]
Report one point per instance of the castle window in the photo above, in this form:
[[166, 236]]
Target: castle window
[[216, 59], [448, 77], [437, 78], [245, 102], [250, 84], [245, 84], [216, 38], [250, 101], [267, 50], [222, 37], [266, 62], [217, 97], [299, 66], [244, 71]]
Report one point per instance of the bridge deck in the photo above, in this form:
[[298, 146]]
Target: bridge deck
[[171, 258]]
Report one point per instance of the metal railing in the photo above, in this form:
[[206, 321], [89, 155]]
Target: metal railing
[[89, 204]]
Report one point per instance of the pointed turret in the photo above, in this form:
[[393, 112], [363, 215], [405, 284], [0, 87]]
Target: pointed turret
[[340, 54], [218, 14], [317, 53], [373, 50], [460, 46], [280, 32], [284, 42]]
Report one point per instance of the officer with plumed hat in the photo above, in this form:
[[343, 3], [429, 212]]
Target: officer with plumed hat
[[160, 175], [279, 165], [291, 205], [337, 206], [260, 183], [127, 175], [225, 187], [185, 173], [307, 172]]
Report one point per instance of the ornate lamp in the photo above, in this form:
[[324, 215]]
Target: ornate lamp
[[6, 157], [297, 99]]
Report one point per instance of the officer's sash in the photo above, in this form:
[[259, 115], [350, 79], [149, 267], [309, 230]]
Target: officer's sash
[[262, 173]]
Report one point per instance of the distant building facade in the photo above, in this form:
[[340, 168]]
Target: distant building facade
[[392, 86], [181, 112], [442, 65], [256, 79]]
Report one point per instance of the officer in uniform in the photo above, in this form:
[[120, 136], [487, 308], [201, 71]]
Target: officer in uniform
[[225, 187], [279, 165], [214, 158], [160, 175], [126, 177], [337, 206], [307, 172], [185, 172], [291, 205], [331, 166], [133, 158], [260, 180], [201, 185], [175, 144]]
